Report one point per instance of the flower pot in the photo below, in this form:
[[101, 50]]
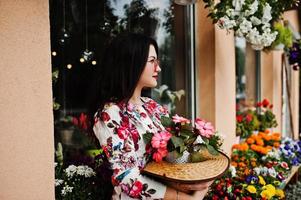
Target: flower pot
[[66, 136], [172, 157]]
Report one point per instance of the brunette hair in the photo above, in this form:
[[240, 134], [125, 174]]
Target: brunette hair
[[120, 70]]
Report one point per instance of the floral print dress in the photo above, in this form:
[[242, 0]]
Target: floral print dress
[[119, 129]]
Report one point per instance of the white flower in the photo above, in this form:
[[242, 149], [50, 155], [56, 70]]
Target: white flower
[[266, 13], [252, 9], [66, 189], [237, 4], [268, 37], [81, 170], [272, 172], [89, 172], [70, 170], [58, 182], [255, 20], [232, 13], [55, 164], [257, 170], [232, 170], [245, 26], [199, 140], [264, 171], [226, 23]]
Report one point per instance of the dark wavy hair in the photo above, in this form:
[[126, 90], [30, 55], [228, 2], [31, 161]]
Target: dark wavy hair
[[120, 70]]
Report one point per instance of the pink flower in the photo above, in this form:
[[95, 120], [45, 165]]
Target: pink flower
[[205, 128], [136, 189], [160, 154], [75, 121], [123, 132], [284, 165], [179, 119], [159, 140]]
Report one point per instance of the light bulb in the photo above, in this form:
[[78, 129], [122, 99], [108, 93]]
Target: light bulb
[[94, 62], [54, 53], [81, 60], [69, 66]]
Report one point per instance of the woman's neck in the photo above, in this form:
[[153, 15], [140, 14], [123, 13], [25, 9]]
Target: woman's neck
[[136, 97]]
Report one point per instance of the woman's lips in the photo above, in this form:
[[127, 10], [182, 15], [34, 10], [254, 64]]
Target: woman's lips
[[155, 77]]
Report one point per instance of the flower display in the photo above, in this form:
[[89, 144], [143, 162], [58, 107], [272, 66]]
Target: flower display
[[259, 168], [182, 138], [252, 19], [250, 119]]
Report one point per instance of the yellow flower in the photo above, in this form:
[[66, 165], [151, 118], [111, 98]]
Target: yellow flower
[[251, 189], [261, 180], [268, 191], [280, 193]]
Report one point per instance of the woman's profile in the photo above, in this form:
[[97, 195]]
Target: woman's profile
[[123, 115]]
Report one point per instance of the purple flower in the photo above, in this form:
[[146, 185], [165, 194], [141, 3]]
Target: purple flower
[[251, 179]]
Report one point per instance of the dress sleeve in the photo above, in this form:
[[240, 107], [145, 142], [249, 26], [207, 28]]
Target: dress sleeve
[[114, 136]]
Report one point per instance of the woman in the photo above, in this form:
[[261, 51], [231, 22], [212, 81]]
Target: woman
[[130, 65]]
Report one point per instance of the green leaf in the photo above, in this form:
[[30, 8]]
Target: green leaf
[[211, 150], [186, 133], [182, 148], [197, 157], [206, 140], [166, 121], [177, 142], [147, 137]]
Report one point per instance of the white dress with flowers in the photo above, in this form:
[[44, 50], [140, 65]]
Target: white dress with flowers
[[119, 129]]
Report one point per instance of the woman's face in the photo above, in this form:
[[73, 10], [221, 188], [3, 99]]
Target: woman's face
[[151, 70]]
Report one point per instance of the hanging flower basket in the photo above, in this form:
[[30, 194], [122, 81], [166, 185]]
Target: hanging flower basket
[[251, 19]]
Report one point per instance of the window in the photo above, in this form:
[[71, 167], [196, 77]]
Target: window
[[81, 28]]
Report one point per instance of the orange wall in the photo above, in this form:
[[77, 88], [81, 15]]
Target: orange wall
[[26, 150]]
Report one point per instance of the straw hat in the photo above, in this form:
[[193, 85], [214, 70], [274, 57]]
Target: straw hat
[[206, 170]]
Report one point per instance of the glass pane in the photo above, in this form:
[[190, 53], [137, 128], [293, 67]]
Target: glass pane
[[81, 28]]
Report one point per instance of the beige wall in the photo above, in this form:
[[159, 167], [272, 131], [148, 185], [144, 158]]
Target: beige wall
[[26, 150], [215, 65], [292, 16]]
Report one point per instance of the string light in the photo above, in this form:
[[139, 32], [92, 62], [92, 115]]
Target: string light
[[94, 62], [86, 55], [54, 53], [69, 66]]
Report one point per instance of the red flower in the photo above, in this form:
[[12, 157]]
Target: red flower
[[249, 118], [259, 104], [123, 132], [215, 197], [83, 121], [249, 198], [239, 118], [136, 189], [265, 103], [104, 116], [271, 106]]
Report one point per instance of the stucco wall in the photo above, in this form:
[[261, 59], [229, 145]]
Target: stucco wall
[[26, 130]]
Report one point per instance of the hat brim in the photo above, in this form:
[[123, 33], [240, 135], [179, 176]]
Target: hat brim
[[203, 171]]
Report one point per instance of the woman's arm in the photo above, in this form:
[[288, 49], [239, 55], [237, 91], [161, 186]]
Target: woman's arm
[[173, 194], [115, 139]]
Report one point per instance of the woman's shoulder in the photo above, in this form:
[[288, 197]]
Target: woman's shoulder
[[109, 110]]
